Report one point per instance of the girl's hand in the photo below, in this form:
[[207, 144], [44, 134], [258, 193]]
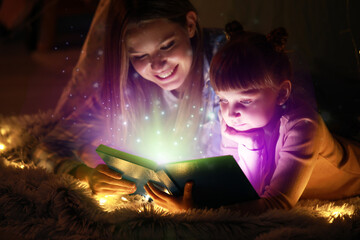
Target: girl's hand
[[169, 202], [252, 139], [104, 181]]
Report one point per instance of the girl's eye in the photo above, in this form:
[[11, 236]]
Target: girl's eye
[[246, 102], [168, 46], [223, 100]]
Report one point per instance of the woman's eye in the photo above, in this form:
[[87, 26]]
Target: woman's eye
[[168, 46], [139, 57]]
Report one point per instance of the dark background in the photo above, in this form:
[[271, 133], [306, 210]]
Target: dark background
[[41, 46]]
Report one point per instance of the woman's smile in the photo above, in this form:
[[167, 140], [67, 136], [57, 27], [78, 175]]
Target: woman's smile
[[168, 74]]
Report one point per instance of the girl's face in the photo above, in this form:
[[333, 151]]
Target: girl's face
[[248, 110], [161, 52]]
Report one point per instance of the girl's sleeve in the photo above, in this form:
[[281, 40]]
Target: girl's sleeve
[[298, 150]]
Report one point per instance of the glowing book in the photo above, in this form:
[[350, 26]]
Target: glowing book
[[218, 181]]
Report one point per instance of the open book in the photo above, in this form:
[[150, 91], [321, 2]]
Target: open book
[[218, 181]]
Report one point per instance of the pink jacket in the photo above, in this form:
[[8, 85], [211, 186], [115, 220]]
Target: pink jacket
[[300, 159]]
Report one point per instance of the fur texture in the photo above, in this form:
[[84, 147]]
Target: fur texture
[[35, 204]]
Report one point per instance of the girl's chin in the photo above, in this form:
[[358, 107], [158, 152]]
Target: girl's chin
[[241, 128]]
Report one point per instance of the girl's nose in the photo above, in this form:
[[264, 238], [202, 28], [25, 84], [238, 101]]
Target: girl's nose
[[234, 112], [158, 62]]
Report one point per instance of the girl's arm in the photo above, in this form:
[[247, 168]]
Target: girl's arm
[[298, 147], [296, 158]]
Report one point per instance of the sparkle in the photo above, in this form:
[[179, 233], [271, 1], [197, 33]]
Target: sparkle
[[138, 140], [211, 115], [95, 85], [147, 197], [146, 117], [2, 147], [124, 123]]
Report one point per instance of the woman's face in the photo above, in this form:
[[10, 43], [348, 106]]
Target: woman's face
[[160, 51]]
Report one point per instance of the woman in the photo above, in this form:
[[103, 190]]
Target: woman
[[153, 93]]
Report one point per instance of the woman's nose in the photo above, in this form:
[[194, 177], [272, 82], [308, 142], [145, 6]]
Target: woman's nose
[[158, 62]]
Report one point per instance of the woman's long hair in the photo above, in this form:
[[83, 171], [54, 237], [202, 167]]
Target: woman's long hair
[[127, 96]]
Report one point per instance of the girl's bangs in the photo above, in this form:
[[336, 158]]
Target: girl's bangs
[[243, 72]]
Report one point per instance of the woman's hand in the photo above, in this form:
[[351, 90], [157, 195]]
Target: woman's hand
[[169, 202], [104, 181]]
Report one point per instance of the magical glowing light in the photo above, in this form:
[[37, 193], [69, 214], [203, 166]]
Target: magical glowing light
[[2, 147]]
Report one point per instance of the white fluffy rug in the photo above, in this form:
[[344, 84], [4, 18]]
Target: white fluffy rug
[[35, 204]]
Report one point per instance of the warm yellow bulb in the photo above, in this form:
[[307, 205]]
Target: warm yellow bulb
[[332, 212], [102, 201], [2, 146]]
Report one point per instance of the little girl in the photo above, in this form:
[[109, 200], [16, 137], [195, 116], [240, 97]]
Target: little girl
[[280, 142]]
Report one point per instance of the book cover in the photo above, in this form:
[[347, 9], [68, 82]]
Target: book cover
[[217, 181]]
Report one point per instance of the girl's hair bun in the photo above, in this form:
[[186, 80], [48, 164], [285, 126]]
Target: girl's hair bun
[[232, 29], [278, 38]]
